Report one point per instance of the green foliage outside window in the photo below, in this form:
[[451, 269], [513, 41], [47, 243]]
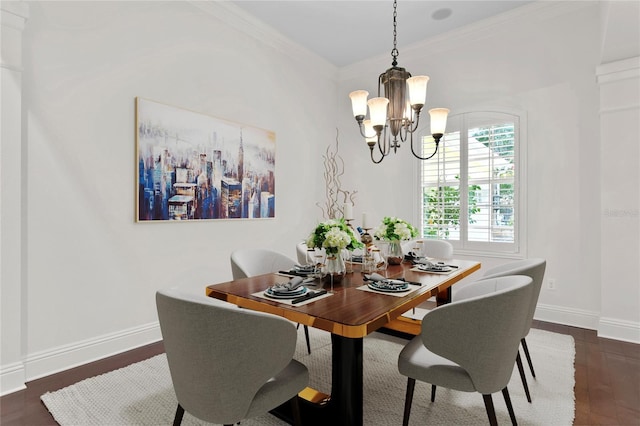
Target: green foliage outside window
[[442, 209]]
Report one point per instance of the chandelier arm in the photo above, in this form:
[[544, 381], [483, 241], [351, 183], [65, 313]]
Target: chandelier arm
[[362, 131], [381, 145], [404, 131], [385, 146], [424, 158], [414, 127], [372, 159]]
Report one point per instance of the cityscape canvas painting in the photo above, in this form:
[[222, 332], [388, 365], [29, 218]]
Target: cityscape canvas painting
[[192, 166]]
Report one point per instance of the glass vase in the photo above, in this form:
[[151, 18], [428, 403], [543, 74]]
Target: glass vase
[[394, 253]]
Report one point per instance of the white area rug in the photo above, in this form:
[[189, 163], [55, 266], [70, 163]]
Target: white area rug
[[142, 394]]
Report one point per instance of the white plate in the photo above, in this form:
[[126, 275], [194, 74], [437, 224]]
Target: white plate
[[373, 286], [293, 295], [443, 269]]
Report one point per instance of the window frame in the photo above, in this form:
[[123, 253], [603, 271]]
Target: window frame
[[517, 249]]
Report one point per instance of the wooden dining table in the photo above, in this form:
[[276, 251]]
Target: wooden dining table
[[349, 314]]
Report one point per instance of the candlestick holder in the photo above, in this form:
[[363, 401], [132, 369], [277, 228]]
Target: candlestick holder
[[366, 238], [368, 264]]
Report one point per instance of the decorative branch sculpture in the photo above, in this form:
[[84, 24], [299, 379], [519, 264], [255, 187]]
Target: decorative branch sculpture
[[336, 196]]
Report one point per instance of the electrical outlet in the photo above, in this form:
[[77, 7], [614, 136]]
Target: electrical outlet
[[551, 284]]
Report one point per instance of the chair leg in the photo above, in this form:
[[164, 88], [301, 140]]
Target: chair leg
[[526, 353], [306, 335], [411, 384], [523, 377], [433, 393], [295, 410], [507, 400], [177, 420], [491, 412]]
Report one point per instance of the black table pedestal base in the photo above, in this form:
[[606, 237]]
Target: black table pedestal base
[[345, 406]]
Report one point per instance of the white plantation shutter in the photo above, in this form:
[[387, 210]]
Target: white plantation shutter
[[441, 184], [469, 190]]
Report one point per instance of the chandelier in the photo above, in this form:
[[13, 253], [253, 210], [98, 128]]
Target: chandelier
[[394, 117]]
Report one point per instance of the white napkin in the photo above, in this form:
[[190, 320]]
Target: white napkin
[[292, 285], [377, 277]]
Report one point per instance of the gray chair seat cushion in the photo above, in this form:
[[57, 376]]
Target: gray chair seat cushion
[[278, 388], [418, 362]]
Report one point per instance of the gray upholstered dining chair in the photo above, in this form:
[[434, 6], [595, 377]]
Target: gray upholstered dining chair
[[211, 349], [470, 345], [301, 253], [251, 262], [533, 268], [437, 249]]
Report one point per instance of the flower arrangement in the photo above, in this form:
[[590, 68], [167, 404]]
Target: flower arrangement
[[394, 229], [333, 235]]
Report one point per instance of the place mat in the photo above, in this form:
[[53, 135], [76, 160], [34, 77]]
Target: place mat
[[412, 288], [261, 295]]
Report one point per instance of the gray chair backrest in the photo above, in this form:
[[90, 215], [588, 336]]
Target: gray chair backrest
[[438, 249], [219, 355], [482, 334], [251, 262], [533, 268], [301, 253]]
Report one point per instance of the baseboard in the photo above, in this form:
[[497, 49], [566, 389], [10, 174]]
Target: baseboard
[[612, 328], [567, 316], [12, 378], [66, 357]]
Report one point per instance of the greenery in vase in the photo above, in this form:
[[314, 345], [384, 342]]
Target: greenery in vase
[[394, 229], [333, 235]]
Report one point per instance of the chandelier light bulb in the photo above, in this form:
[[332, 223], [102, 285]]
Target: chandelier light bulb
[[417, 89], [378, 111], [359, 102], [438, 120]]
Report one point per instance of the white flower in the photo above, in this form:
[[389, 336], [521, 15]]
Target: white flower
[[337, 238], [402, 230]]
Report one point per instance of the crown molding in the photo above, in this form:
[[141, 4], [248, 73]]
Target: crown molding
[[19, 9], [618, 70], [237, 18]]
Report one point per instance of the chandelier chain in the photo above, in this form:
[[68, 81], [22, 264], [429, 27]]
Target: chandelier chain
[[394, 51]]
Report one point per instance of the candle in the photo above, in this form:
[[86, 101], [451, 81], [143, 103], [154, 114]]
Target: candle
[[347, 210], [366, 222]]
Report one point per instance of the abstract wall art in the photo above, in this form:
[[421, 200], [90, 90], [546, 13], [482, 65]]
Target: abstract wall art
[[192, 166]]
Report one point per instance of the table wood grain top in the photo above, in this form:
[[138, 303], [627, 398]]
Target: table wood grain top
[[349, 312]]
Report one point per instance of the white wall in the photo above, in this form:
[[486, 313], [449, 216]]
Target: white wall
[[528, 60], [12, 329], [90, 271], [93, 271]]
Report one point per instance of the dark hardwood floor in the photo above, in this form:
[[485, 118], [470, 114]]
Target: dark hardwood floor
[[607, 388]]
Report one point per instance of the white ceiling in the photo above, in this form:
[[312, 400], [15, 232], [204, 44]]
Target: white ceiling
[[344, 32]]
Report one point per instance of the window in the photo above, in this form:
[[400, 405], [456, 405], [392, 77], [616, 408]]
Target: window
[[469, 190]]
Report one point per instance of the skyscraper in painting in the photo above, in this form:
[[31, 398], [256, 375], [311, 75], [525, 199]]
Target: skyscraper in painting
[[231, 199], [267, 204]]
